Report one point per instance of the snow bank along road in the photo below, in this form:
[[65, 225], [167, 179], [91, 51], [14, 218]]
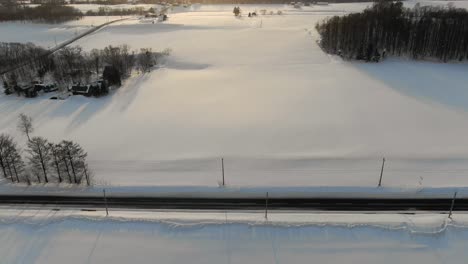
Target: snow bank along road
[[329, 204], [45, 237]]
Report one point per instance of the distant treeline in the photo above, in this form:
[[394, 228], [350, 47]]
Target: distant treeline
[[113, 2], [271, 1], [389, 28], [45, 13], [105, 11], [56, 13]]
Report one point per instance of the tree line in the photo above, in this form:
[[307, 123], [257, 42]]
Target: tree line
[[427, 32], [74, 65], [44, 161], [105, 11], [50, 13], [57, 12]]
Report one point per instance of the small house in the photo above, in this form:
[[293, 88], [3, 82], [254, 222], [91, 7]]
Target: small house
[[150, 14], [95, 89], [78, 89], [50, 88], [27, 91]]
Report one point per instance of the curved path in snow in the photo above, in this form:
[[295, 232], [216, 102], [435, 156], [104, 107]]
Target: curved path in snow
[[60, 46]]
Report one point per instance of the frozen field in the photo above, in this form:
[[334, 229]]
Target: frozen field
[[262, 94], [34, 236]]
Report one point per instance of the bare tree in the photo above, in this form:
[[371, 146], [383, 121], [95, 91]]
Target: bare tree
[[145, 60], [5, 142], [25, 125], [10, 159], [63, 161], [88, 174], [39, 157], [75, 159], [96, 60], [15, 162], [56, 160]]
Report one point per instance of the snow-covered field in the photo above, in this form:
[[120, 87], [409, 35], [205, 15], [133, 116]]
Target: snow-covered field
[[262, 94], [48, 35], [39, 236]]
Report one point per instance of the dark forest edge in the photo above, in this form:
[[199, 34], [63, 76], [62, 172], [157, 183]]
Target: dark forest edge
[[58, 13], [387, 28], [51, 13]]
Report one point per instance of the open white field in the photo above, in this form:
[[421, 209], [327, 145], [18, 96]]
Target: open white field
[[35, 236], [261, 93]]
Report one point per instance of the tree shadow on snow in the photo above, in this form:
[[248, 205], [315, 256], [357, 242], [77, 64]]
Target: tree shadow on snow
[[81, 109], [443, 83]]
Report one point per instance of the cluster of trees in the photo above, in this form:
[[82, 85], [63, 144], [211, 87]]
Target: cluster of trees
[[57, 11], [103, 11], [99, 2], [45, 161], [16, 53], [237, 11], [51, 13], [387, 27], [73, 65]]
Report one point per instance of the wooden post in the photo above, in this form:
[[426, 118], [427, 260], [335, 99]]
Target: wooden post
[[381, 172], [453, 204], [266, 206], [222, 168], [105, 201]]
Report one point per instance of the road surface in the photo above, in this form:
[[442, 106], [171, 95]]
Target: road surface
[[323, 204]]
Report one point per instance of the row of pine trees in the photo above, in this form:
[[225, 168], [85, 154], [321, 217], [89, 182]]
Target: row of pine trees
[[387, 27], [45, 161]]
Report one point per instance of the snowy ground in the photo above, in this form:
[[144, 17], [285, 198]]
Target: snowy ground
[[35, 236], [262, 94], [48, 35]]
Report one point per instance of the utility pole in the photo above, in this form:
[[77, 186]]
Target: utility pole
[[105, 201], [381, 172], [453, 204], [266, 206], [222, 169]]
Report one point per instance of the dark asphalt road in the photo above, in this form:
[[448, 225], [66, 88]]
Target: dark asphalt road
[[328, 204]]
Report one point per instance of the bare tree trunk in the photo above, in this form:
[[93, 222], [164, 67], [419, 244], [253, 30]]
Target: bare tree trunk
[[16, 173], [86, 175], [2, 164], [73, 167], [68, 170], [43, 165], [57, 166], [9, 169]]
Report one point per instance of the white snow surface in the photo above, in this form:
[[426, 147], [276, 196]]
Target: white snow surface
[[262, 94], [44, 236]]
